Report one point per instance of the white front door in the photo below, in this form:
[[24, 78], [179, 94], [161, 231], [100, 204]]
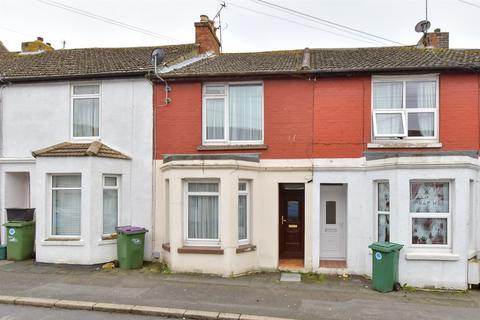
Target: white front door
[[332, 222]]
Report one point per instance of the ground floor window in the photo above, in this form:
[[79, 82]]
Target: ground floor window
[[202, 200], [430, 212], [66, 196], [110, 203], [243, 212], [383, 211]]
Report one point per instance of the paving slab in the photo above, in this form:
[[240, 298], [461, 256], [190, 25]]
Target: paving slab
[[290, 277]]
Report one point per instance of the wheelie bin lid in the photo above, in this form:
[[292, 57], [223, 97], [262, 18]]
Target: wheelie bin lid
[[18, 224], [385, 246], [131, 229]]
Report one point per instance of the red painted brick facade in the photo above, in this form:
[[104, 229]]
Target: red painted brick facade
[[322, 118]]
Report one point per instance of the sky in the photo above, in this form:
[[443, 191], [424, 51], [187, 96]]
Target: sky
[[247, 25]]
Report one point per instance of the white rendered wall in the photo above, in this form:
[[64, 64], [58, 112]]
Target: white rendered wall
[[38, 115]]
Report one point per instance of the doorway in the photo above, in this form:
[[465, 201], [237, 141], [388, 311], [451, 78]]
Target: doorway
[[333, 202], [292, 221]]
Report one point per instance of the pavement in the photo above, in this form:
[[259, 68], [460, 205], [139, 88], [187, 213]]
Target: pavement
[[315, 297]]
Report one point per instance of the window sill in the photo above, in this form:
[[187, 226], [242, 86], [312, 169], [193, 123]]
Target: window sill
[[232, 147], [246, 248], [107, 242], [403, 145], [432, 256], [166, 247], [201, 250], [112, 236], [62, 242]]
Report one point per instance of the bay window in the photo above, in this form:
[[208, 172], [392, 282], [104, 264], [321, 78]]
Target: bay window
[[85, 111], [383, 211], [233, 113], [430, 213], [405, 107], [66, 195], [202, 212]]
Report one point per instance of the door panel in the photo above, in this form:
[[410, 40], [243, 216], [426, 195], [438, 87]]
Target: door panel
[[291, 221], [332, 221]]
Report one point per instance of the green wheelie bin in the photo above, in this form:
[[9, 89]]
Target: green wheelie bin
[[385, 266], [130, 246], [20, 240]]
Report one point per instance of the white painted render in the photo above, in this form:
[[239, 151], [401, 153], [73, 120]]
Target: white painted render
[[422, 267], [38, 115]]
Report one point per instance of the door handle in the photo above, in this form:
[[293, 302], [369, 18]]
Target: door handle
[[283, 220]]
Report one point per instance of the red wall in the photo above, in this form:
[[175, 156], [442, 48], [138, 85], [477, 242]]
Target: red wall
[[322, 118]]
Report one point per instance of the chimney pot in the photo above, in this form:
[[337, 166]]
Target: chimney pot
[[204, 18], [437, 30], [40, 39]]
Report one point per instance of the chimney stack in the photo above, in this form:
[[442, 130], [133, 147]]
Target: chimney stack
[[36, 46], [435, 39], [206, 36]]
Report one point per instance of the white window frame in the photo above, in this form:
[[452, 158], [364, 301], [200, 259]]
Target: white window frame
[[74, 96], [200, 242], [246, 193], [50, 205], [226, 140], [118, 188], [378, 212], [426, 215], [404, 110]]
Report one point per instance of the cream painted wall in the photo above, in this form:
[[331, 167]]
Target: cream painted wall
[[264, 178]]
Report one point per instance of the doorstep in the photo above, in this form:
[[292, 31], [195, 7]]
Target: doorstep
[[291, 265]]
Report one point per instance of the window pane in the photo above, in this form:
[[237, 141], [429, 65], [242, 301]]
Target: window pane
[[421, 124], [292, 211], [203, 217], [90, 89], [85, 117], [421, 94], [384, 228], [383, 196], [429, 197], [389, 123], [429, 231], [110, 210], [215, 89], [110, 181], [246, 112], [242, 217], [66, 214], [387, 95], [215, 114], [202, 187], [67, 181], [331, 212], [242, 186]]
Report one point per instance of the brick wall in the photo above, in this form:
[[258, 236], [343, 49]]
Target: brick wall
[[325, 118]]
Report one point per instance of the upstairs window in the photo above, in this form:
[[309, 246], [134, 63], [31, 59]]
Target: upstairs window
[[233, 113], [85, 111], [405, 108]]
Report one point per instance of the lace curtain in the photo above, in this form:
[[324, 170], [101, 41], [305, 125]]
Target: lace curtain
[[202, 211], [66, 205], [86, 117], [245, 112]]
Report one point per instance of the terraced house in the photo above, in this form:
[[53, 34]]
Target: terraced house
[[77, 145], [301, 159], [293, 159]]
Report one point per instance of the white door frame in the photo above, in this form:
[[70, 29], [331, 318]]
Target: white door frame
[[333, 235]]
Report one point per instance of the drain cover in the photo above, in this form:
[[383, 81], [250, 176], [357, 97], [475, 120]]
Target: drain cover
[[290, 277]]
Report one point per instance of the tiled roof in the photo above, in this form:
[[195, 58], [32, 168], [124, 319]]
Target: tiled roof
[[2, 48], [87, 62], [376, 59], [69, 149]]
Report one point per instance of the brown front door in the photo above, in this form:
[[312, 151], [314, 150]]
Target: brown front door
[[291, 220]]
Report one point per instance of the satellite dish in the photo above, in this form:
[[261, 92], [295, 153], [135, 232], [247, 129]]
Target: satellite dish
[[158, 55], [422, 26]]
